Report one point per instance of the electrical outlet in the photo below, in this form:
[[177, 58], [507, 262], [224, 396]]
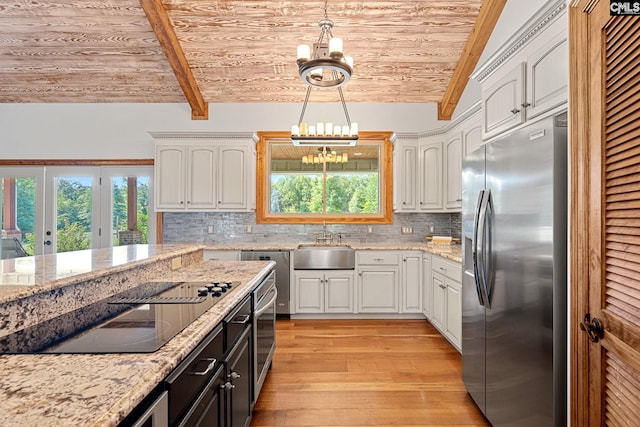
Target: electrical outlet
[[210, 229], [370, 229], [407, 229], [249, 229], [432, 228]]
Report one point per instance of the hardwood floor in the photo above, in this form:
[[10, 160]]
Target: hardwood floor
[[364, 373]]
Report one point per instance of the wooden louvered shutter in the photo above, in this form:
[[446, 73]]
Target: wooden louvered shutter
[[605, 214], [621, 207]]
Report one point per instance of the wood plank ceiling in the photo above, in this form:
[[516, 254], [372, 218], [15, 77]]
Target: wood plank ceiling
[[90, 51]]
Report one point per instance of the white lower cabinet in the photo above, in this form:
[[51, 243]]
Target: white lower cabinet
[[378, 289], [378, 281], [388, 282], [446, 284], [323, 291], [453, 324], [427, 290], [411, 282]]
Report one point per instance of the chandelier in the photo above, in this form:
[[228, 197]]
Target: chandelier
[[324, 67], [325, 155]]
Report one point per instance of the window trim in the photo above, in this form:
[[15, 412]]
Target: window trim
[[263, 216]]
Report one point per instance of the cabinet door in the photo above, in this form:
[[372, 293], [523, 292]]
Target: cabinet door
[[453, 313], [239, 368], [309, 288], [453, 162], [170, 172], [472, 138], [412, 282], [427, 290], [338, 293], [407, 173], [502, 103], [201, 177], [233, 177], [378, 290], [431, 176], [547, 76], [439, 301]]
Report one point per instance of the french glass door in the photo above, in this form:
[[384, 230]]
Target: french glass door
[[21, 211], [127, 206], [52, 209], [72, 208]]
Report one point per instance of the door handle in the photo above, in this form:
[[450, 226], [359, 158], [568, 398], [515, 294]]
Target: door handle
[[592, 327], [474, 248], [481, 236]]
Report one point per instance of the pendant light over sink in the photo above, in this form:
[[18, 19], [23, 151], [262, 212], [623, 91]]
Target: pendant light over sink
[[324, 67]]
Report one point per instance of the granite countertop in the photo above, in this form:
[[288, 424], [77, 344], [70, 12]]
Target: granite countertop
[[101, 389], [22, 277], [452, 252]]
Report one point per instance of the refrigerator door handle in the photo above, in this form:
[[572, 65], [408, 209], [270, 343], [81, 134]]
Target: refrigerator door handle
[[487, 238], [481, 246], [476, 254]]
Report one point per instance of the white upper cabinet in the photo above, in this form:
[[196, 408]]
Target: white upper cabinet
[[427, 169], [502, 102], [472, 135], [201, 177], [430, 160], [205, 177], [406, 174], [185, 177], [528, 76], [453, 163], [170, 179], [234, 177], [547, 76]]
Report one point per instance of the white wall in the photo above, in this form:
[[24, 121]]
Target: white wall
[[93, 131]]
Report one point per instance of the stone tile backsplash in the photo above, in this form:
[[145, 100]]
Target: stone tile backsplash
[[241, 227]]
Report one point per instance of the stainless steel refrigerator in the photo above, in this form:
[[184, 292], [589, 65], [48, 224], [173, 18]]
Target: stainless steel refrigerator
[[514, 294]]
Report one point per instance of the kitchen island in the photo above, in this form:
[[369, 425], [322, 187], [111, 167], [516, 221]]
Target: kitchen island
[[100, 389]]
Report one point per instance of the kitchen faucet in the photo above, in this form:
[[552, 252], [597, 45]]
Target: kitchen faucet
[[326, 238]]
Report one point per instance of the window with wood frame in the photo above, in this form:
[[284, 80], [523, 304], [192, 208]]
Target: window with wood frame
[[335, 184]]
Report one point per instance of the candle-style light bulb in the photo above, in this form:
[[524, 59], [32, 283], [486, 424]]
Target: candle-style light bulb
[[304, 52], [335, 46]]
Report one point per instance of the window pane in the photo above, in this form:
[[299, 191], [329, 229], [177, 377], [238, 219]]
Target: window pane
[[18, 203], [74, 204], [126, 230], [298, 183]]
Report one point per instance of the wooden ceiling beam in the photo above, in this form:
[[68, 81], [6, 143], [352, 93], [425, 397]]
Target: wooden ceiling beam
[[488, 16], [159, 20]]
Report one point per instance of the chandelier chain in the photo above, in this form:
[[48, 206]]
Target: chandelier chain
[[304, 106]]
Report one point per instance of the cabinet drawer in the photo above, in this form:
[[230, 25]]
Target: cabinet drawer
[[447, 268], [377, 258], [220, 255]]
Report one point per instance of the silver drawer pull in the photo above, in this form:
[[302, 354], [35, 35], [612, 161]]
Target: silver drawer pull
[[241, 320], [443, 269], [378, 259], [442, 287], [210, 366]]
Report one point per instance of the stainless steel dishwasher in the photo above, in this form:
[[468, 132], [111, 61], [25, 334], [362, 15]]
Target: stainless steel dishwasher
[[282, 260]]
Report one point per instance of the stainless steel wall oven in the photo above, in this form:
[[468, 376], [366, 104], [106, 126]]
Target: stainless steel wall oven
[[264, 330]]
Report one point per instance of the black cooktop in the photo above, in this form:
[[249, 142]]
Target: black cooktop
[[140, 320]]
